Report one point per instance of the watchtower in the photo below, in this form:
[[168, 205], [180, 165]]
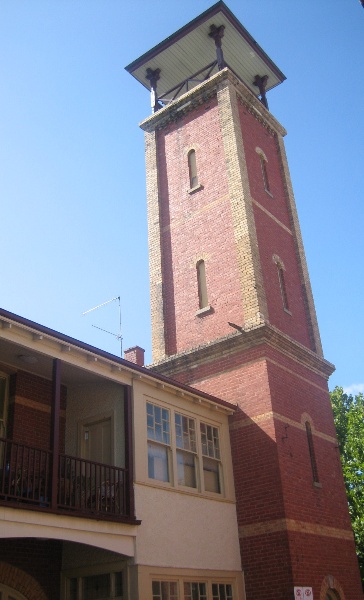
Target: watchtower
[[231, 301]]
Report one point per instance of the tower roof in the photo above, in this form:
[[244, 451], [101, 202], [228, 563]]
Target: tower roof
[[188, 57]]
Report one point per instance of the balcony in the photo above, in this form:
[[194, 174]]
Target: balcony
[[74, 486]]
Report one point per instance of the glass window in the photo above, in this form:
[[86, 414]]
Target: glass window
[[211, 457], [186, 450], [311, 450], [158, 423], [210, 441], [192, 167], [165, 590], [158, 431], [201, 284], [222, 591], [282, 285], [96, 587], [158, 462], [118, 580], [263, 165], [72, 585], [194, 591]]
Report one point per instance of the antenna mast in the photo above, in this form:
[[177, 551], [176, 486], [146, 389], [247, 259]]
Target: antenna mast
[[118, 336]]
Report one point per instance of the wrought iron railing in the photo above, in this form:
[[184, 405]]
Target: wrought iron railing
[[83, 486]]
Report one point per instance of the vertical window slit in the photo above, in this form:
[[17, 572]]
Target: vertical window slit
[[311, 450], [282, 285], [192, 167], [263, 164], [201, 282]]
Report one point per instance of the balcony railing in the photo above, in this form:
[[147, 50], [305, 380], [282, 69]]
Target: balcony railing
[[84, 487]]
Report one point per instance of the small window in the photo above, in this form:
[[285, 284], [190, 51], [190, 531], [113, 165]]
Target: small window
[[201, 283], [332, 595], [282, 285], [311, 450], [96, 587], [194, 591], [186, 450], [222, 591], [101, 586], [192, 168], [211, 457], [263, 164], [165, 590], [158, 432]]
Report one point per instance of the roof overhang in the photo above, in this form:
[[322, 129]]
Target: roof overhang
[[188, 57]]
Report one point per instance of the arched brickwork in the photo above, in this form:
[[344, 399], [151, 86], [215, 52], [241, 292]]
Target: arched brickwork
[[21, 581], [330, 583]]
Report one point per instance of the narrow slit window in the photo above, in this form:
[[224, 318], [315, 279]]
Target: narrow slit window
[[201, 282], [192, 167], [263, 164], [311, 450], [282, 285]]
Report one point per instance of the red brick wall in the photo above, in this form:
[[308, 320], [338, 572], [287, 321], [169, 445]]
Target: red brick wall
[[273, 239], [196, 226], [29, 419], [273, 474], [37, 567]]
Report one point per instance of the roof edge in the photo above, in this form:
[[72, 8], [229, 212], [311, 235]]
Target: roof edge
[[68, 340]]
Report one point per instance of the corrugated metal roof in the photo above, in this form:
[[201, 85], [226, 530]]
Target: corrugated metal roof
[[191, 50]]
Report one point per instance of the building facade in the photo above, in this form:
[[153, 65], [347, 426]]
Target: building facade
[[214, 474], [110, 477], [232, 306]]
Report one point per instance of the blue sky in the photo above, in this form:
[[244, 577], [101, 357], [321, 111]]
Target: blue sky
[[72, 180]]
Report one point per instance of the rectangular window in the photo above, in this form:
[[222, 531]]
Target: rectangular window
[[96, 587], [194, 591], [211, 457], [73, 584], [222, 591], [159, 438], [311, 450], [263, 165], [104, 586], [165, 590], [282, 285], [186, 450]]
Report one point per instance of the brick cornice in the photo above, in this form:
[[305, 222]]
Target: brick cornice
[[201, 94], [263, 334]]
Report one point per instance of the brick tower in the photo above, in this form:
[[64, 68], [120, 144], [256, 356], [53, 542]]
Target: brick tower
[[232, 307]]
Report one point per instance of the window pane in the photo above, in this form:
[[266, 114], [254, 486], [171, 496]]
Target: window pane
[[165, 590], [158, 462], [192, 166], [72, 588], [118, 583], [210, 441], [194, 591], [211, 475], [185, 433], [222, 591], [96, 587], [186, 468], [158, 424]]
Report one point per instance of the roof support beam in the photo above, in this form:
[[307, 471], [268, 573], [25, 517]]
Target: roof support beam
[[153, 77], [261, 83], [217, 33]]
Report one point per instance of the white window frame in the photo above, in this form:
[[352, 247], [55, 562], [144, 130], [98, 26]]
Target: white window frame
[[81, 573], [198, 455]]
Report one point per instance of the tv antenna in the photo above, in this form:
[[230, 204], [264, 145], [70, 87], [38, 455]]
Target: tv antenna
[[118, 336]]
